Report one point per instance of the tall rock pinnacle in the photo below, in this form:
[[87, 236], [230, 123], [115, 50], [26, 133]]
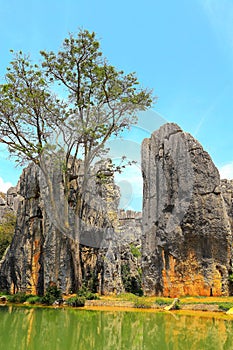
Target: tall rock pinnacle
[[186, 240]]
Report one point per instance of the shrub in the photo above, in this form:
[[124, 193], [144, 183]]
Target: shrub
[[90, 281], [86, 293], [34, 299], [76, 301], [52, 294], [18, 298]]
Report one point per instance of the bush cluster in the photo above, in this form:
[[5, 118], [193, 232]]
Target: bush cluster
[[20, 298], [83, 294], [52, 294], [76, 301], [86, 293]]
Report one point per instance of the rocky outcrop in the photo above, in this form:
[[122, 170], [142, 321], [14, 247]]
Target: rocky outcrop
[[186, 241], [115, 266], [227, 193], [180, 245], [8, 203], [41, 253]]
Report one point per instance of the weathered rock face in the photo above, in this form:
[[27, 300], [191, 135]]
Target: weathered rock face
[[22, 268], [115, 266], [227, 193], [186, 242], [185, 229], [128, 248], [40, 253], [8, 203]]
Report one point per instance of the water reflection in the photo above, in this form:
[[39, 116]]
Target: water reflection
[[22, 328]]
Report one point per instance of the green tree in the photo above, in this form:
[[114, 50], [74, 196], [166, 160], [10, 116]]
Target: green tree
[[38, 124]]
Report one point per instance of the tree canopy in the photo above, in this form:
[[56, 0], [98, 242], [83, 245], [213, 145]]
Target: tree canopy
[[97, 101], [67, 107]]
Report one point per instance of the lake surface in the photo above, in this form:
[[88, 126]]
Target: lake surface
[[58, 329]]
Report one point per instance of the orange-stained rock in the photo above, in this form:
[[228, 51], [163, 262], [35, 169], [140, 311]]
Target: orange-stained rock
[[35, 267], [183, 279], [187, 239], [41, 252]]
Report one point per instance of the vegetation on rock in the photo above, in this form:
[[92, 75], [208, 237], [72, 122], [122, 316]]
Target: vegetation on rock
[[135, 251], [52, 294], [132, 284], [6, 231], [39, 125]]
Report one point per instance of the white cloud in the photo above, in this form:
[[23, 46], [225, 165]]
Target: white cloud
[[4, 186], [226, 171]]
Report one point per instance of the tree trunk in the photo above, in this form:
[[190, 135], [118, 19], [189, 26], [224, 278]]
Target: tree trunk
[[76, 260]]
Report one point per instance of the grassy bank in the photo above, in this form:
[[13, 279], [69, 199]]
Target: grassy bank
[[127, 300]]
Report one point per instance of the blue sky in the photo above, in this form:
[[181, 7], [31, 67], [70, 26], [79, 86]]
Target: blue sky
[[182, 49]]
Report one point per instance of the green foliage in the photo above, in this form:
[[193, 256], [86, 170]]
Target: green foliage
[[135, 251], [86, 294], [142, 303], [7, 228], [162, 301], [35, 299], [127, 297], [99, 101], [52, 294], [230, 277], [83, 294], [2, 292], [126, 277], [77, 301], [90, 282], [132, 284], [225, 306], [18, 298], [177, 306]]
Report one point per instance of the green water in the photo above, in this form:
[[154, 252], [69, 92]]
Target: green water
[[45, 329]]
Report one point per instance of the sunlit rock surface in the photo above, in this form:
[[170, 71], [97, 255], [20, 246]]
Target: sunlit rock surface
[[180, 245], [186, 242], [41, 253]]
